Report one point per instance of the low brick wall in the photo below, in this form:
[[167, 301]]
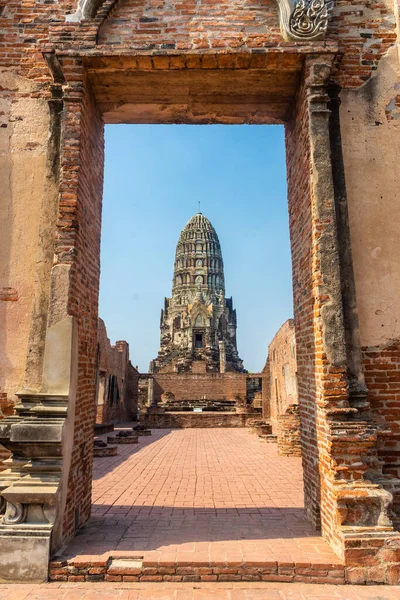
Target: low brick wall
[[195, 386], [102, 569], [288, 432], [185, 420]]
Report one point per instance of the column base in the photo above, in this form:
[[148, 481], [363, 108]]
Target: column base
[[24, 555]]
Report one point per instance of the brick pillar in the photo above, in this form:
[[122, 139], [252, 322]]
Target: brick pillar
[[342, 474], [330, 376], [46, 495], [76, 277], [320, 342]]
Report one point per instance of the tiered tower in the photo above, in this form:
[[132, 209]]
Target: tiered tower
[[198, 323]]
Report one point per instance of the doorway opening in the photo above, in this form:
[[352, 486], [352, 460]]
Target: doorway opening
[[187, 494], [271, 93], [198, 340]]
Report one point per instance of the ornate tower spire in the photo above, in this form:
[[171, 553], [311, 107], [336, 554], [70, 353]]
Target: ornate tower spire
[[198, 260], [198, 324]]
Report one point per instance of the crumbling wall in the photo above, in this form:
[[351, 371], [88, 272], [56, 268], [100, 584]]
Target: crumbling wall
[[288, 432], [254, 386], [266, 391], [117, 381], [281, 403], [298, 159], [370, 129], [282, 371], [24, 132]]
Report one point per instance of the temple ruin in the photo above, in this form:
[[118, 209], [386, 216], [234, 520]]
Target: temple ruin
[[198, 369], [329, 72], [198, 324]]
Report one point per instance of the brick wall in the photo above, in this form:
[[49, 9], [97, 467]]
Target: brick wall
[[320, 345], [280, 398], [78, 246], [282, 369], [194, 386], [382, 376], [266, 391], [254, 383], [288, 432], [181, 420], [117, 381], [191, 26], [300, 222], [364, 32]]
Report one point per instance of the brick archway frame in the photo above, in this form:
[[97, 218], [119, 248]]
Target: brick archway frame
[[46, 492]]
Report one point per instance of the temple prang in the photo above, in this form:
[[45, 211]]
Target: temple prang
[[198, 323]]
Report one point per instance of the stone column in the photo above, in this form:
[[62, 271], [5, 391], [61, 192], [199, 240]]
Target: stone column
[[150, 391], [357, 388], [222, 357]]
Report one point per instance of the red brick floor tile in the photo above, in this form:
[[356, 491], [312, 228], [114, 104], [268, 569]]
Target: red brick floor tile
[[198, 591], [15, 593], [157, 594], [200, 495]]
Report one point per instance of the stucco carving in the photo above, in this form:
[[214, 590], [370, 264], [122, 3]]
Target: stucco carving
[[15, 513], [300, 19], [309, 19], [86, 9]]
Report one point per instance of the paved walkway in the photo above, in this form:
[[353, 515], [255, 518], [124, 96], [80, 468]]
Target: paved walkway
[[200, 495], [200, 591]]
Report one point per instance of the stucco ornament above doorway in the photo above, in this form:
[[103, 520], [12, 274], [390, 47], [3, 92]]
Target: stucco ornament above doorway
[[300, 20]]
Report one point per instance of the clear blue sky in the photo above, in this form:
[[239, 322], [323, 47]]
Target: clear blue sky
[[154, 177]]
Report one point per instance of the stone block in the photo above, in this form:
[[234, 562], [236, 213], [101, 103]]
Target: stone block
[[132, 439], [108, 451], [24, 558]]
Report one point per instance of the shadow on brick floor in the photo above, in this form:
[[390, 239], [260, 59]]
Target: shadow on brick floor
[[200, 495], [180, 534], [102, 465]]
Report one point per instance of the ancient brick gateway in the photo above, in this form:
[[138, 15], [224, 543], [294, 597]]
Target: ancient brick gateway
[[330, 74]]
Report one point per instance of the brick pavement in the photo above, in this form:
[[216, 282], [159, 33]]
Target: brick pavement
[[199, 497], [200, 591]]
